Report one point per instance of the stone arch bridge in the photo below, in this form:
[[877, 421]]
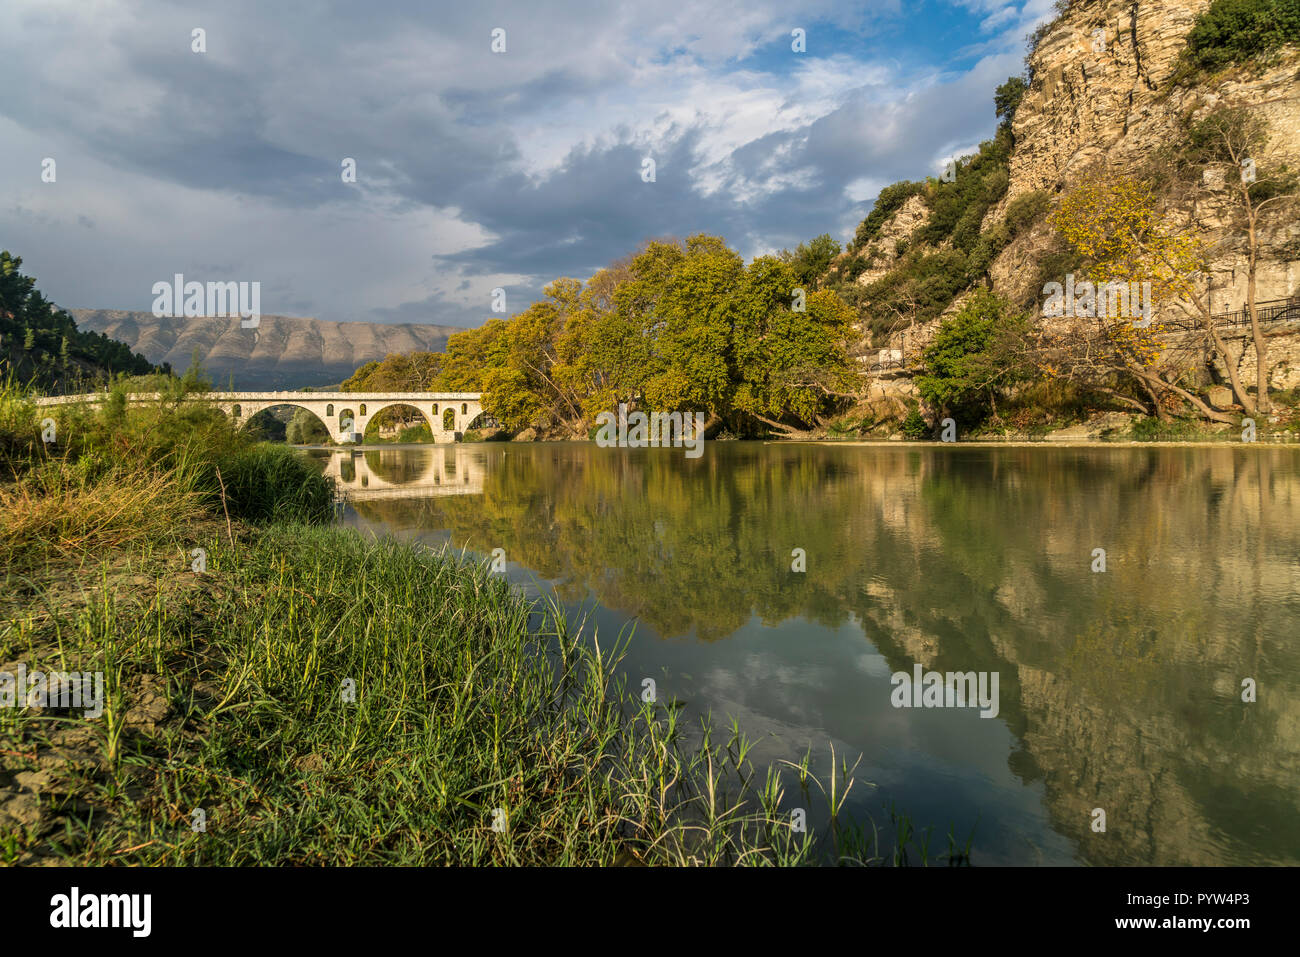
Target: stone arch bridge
[[344, 414]]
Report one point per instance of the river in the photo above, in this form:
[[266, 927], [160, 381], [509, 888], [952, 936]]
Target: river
[[1127, 599]]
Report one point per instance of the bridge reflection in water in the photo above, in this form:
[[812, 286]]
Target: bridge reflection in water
[[407, 473]]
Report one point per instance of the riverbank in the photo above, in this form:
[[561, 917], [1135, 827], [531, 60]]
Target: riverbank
[[280, 691]]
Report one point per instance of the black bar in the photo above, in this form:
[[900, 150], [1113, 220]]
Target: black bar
[[946, 906]]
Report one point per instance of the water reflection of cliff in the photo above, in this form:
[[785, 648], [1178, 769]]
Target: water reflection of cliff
[[1122, 687]]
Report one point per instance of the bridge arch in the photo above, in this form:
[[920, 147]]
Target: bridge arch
[[265, 408], [397, 404]]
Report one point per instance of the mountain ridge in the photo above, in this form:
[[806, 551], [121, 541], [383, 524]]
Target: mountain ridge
[[282, 351]]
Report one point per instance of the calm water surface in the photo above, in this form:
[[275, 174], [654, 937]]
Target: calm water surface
[[1119, 690]]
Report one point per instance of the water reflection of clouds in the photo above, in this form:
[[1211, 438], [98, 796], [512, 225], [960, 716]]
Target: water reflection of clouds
[[960, 560]]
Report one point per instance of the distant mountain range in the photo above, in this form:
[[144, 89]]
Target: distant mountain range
[[281, 353]]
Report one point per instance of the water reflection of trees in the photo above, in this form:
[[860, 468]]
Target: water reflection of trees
[[1123, 687]]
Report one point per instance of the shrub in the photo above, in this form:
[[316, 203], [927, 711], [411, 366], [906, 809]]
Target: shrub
[[890, 200], [958, 208], [1235, 31], [1151, 429], [914, 426], [1026, 210], [416, 433], [272, 482], [810, 261], [929, 281]]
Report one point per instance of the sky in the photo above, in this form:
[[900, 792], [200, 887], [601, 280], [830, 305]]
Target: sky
[[475, 169]]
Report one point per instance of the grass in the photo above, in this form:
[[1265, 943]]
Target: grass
[[59, 512], [331, 700], [304, 695], [1151, 429]]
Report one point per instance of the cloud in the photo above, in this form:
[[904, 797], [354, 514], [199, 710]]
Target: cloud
[[475, 169]]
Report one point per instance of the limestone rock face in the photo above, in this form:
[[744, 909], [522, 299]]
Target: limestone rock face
[[1098, 92], [898, 229], [1102, 95], [282, 352]]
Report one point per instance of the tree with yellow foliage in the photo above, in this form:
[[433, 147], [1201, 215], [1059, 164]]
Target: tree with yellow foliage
[[1112, 223]]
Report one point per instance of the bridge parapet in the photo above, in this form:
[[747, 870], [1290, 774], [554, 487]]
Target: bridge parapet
[[344, 414]]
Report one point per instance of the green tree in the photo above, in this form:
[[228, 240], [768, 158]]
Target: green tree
[[1007, 98], [305, 429], [358, 381], [26, 316], [684, 300], [195, 378], [889, 201], [604, 352], [469, 354], [1235, 31], [678, 326], [973, 355], [790, 365], [809, 262]]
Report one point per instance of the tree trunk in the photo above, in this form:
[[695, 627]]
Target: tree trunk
[[1156, 408], [787, 429], [712, 426], [1126, 399], [1151, 382], [1261, 347], [1238, 390]]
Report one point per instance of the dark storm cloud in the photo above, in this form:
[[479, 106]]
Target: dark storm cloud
[[475, 169]]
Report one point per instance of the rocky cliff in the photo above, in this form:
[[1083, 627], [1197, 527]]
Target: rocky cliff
[[282, 352], [1102, 93]]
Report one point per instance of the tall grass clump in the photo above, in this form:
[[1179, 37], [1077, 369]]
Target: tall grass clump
[[264, 483], [59, 511], [20, 433], [119, 475]]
